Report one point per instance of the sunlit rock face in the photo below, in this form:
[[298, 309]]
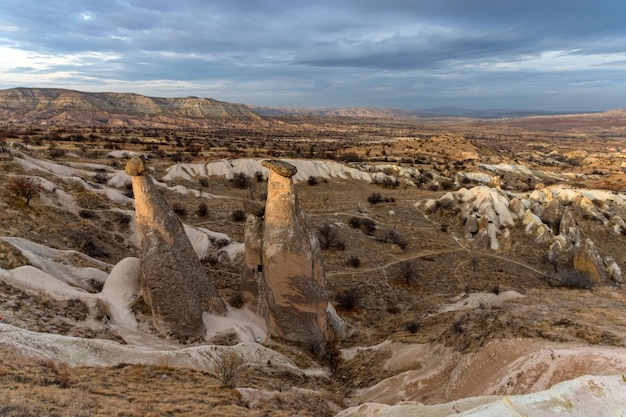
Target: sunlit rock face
[[175, 284], [283, 277]]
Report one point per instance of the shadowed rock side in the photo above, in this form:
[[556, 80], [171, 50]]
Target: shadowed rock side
[[252, 281], [289, 286], [175, 284]]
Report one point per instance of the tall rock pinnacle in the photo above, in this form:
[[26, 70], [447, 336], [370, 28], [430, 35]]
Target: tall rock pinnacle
[[175, 284], [288, 286]]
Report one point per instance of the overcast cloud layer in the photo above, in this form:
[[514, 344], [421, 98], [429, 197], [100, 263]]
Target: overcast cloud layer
[[514, 54]]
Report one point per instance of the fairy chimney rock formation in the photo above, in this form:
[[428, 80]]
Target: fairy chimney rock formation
[[293, 270], [175, 284]]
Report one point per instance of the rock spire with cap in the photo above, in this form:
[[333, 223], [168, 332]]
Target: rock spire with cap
[[175, 284]]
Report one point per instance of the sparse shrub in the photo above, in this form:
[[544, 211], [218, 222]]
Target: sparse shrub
[[350, 157], [355, 222], [258, 175], [572, 278], [226, 368], [204, 182], [238, 215], [389, 182], [89, 245], [179, 209], [375, 198], [56, 153], [122, 219], [354, 261], [329, 238], [312, 180], [348, 299], [101, 178], [368, 226], [444, 204], [406, 271], [391, 236], [496, 289], [26, 187], [446, 184], [87, 214], [203, 210], [240, 180], [412, 327]]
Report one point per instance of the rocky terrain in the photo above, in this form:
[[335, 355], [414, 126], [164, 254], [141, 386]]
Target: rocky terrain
[[314, 266], [51, 106]]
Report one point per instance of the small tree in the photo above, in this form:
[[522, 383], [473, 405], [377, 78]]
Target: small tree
[[329, 238], [26, 187], [407, 271]]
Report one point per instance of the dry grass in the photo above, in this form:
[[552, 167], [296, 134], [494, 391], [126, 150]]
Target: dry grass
[[43, 388]]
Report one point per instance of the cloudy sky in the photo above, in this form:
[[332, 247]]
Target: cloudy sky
[[406, 54]]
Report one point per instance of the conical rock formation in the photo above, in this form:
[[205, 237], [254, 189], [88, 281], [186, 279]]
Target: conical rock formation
[[175, 284], [283, 277]]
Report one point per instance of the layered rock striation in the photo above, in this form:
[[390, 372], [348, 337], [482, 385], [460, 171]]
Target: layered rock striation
[[175, 284]]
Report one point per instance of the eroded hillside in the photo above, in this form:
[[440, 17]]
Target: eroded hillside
[[457, 257]]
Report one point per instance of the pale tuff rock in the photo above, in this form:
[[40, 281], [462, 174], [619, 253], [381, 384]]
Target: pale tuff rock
[[506, 239], [589, 261], [617, 225], [175, 284], [284, 279], [569, 229], [614, 272], [471, 226], [517, 208]]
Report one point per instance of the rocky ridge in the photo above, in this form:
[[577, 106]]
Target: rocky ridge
[[59, 106]]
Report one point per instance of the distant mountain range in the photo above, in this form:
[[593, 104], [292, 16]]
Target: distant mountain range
[[58, 106], [54, 106], [402, 114]]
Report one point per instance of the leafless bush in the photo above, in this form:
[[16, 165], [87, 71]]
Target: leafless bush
[[350, 157], [329, 237], [391, 236], [238, 215], [348, 299], [407, 271], [354, 261], [203, 209], [412, 327], [366, 225], [241, 180], [179, 209], [375, 198], [572, 278], [226, 368], [101, 178]]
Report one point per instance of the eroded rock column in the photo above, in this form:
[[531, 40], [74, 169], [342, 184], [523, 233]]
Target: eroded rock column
[[293, 269], [175, 284]]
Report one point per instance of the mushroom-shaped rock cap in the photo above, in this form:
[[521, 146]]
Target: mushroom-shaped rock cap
[[282, 168], [136, 167]]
